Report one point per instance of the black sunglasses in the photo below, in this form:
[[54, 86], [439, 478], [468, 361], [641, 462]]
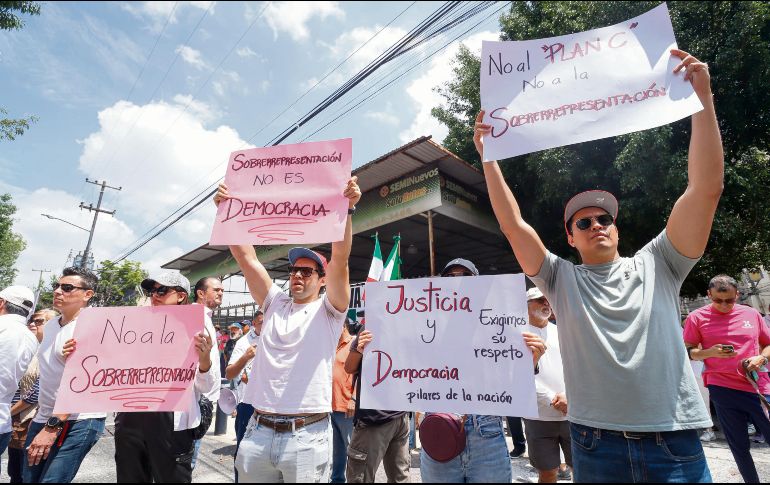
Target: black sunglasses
[[604, 220], [66, 287], [37, 322], [162, 290], [303, 270]]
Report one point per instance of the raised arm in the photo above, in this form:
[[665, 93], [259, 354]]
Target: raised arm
[[691, 218], [337, 272], [257, 277], [527, 246]]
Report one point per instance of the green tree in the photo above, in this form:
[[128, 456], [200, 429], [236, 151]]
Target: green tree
[[11, 244], [118, 283], [10, 128], [647, 170]]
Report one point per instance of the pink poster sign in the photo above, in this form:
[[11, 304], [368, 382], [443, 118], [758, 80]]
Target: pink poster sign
[[131, 359], [287, 194]]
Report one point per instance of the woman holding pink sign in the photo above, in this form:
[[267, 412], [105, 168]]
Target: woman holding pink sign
[[158, 446]]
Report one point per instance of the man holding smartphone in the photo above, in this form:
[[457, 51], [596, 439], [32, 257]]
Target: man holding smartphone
[[724, 335]]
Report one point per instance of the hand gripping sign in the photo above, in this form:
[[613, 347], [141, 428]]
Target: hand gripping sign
[[132, 359], [546, 93], [449, 345], [287, 194]]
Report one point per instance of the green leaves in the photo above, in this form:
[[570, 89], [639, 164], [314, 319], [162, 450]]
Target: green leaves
[[647, 170], [11, 244]]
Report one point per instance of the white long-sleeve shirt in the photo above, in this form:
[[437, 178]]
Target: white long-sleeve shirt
[[17, 347], [550, 380], [206, 384]]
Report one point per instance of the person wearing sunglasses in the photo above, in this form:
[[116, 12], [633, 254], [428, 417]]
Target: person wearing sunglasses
[[723, 335], [159, 446], [485, 457], [57, 444], [616, 313], [290, 385], [17, 349]]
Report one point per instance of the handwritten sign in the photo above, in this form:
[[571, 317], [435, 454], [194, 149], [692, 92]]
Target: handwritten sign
[[449, 345], [132, 359], [288, 194], [547, 93]]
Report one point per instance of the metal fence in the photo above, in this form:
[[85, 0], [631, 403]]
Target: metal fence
[[236, 313]]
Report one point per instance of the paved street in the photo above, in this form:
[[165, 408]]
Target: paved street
[[215, 462]]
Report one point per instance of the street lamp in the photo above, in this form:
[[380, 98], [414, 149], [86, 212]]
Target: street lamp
[[66, 222]]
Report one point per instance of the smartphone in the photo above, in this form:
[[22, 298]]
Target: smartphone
[[728, 349]]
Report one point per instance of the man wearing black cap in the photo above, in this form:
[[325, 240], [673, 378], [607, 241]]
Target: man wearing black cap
[[634, 404], [289, 439]]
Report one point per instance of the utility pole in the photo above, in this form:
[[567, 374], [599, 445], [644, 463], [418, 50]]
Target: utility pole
[[40, 280], [97, 210]]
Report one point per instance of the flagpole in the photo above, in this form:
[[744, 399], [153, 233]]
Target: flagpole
[[430, 244]]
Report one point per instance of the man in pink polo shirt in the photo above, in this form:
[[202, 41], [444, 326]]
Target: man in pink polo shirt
[[723, 335]]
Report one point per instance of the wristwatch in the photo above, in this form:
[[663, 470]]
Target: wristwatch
[[352, 210], [55, 423]]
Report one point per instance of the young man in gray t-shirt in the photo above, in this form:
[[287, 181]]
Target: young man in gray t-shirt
[[634, 403]]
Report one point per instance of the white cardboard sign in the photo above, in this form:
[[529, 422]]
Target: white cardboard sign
[[546, 93], [448, 345]]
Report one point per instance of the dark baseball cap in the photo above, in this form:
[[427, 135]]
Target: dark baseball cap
[[463, 263], [297, 253]]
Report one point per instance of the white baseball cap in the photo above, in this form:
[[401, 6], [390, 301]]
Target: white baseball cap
[[534, 293], [20, 296]]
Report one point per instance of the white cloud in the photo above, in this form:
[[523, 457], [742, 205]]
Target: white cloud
[[248, 52], [158, 12], [292, 17], [192, 57], [159, 166], [421, 90], [384, 117], [49, 241]]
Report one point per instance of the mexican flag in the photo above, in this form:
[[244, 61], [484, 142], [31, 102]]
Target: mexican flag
[[375, 270], [392, 270]]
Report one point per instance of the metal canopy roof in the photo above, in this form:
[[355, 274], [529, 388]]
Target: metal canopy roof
[[490, 252]]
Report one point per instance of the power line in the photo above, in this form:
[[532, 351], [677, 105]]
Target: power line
[[405, 44]]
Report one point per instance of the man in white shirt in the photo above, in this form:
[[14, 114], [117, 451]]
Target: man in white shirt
[[57, 444], [17, 347], [239, 369], [289, 439], [550, 430]]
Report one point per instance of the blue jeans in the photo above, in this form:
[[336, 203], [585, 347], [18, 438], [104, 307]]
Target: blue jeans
[[63, 461], [342, 428], [5, 438], [196, 450], [602, 456], [244, 412], [735, 410], [485, 458]]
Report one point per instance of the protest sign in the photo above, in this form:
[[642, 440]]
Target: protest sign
[[287, 194], [547, 93], [132, 359], [448, 345]]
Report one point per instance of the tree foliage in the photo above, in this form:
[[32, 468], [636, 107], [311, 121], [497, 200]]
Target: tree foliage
[[10, 128], [647, 170], [118, 283], [11, 244]]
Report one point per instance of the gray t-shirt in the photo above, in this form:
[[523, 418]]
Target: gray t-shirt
[[625, 364]]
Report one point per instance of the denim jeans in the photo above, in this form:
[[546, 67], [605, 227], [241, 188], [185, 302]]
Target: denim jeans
[[267, 456], [342, 427], [485, 458], [63, 461], [196, 450], [735, 410], [602, 456], [5, 438], [244, 412]]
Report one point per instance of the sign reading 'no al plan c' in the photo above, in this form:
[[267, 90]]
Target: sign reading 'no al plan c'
[[546, 93]]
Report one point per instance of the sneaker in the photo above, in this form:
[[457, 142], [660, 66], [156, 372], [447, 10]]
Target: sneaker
[[707, 436], [752, 430], [758, 438], [517, 452], [564, 474]]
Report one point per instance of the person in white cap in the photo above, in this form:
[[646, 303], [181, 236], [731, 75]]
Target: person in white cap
[[549, 432], [634, 404], [17, 348], [289, 438], [159, 446], [58, 443]]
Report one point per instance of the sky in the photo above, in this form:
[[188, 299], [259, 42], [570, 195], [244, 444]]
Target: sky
[[153, 96]]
